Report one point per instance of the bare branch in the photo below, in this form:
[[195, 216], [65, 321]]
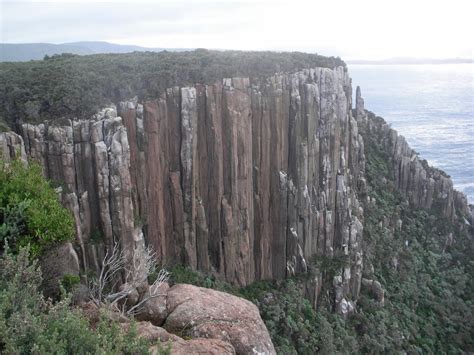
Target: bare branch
[[136, 273]]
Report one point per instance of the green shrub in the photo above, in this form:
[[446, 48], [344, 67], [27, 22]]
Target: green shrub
[[30, 324], [69, 282], [30, 212]]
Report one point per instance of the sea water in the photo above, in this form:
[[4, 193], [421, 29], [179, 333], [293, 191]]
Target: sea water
[[432, 106]]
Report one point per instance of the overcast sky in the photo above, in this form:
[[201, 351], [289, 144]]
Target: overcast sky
[[352, 29]]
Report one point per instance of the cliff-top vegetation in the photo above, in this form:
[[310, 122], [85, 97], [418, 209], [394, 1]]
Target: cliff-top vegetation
[[76, 86]]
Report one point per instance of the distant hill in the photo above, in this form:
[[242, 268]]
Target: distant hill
[[393, 61], [21, 52]]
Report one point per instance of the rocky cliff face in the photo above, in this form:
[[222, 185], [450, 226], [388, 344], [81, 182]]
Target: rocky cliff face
[[90, 161], [246, 179], [423, 186]]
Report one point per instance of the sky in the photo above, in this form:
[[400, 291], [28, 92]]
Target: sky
[[351, 29]]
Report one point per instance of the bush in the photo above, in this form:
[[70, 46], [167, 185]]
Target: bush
[[30, 212], [69, 282], [30, 324]]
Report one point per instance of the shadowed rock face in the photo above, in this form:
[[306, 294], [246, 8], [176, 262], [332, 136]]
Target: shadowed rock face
[[245, 179]]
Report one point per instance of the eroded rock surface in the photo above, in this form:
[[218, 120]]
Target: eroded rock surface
[[205, 313], [176, 344], [90, 159]]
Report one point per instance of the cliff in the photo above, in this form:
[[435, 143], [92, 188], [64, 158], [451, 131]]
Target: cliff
[[423, 186], [247, 179]]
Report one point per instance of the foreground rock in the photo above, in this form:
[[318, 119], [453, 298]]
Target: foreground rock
[[216, 322], [206, 313], [177, 345], [154, 309]]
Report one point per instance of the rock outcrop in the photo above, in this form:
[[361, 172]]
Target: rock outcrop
[[423, 186], [90, 160], [205, 313], [213, 322], [375, 288], [12, 147], [246, 179]]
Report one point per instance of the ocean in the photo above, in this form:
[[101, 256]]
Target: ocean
[[432, 106]]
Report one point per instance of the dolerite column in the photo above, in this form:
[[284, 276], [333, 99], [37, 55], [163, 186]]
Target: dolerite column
[[121, 206], [261, 140], [278, 103], [189, 171], [213, 188], [12, 147], [238, 181], [177, 245], [157, 176]]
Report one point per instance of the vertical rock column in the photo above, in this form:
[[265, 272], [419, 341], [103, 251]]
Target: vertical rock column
[[12, 147], [90, 159], [189, 163], [238, 238]]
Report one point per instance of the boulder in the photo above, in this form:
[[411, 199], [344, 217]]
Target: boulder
[[56, 263], [152, 333], [202, 312], [154, 309], [200, 346], [177, 345]]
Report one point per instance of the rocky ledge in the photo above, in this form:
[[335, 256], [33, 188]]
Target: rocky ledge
[[194, 320]]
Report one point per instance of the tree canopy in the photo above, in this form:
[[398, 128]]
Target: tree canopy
[[72, 86]]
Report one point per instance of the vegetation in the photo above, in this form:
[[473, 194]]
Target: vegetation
[[29, 324], [30, 212], [425, 266], [32, 219], [78, 86], [423, 261]]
